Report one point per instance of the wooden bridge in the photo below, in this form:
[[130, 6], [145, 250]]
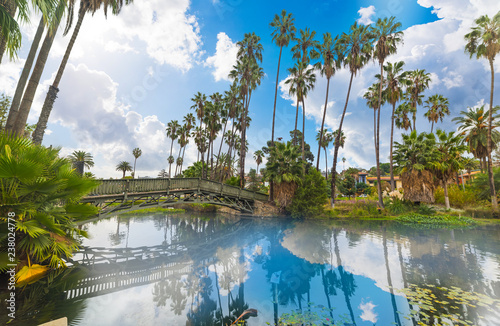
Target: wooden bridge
[[132, 194]]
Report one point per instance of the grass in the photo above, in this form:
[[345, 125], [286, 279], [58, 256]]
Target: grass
[[435, 221]]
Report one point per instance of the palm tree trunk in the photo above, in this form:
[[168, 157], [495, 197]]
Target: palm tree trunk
[[393, 187], [123, 174], [170, 164], [21, 84], [246, 101], [53, 90], [414, 115], [389, 281], [11, 7], [221, 142], [432, 126], [322, 125], [326, 165], [275, 96], [135, 161], [303, 129], [377, 145], [494, 202], [182, 164], [296, 118], [337, 142], [446, 197], [24, 108]]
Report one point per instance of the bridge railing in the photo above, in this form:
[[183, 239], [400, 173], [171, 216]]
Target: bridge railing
[[120, 186]]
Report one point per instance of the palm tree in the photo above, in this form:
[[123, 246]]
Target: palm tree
[[331, 61], [396, 80], [306, 46], [484, 42], [449, 161], [356, 49], [284, 31], [172, 133], [200, 140], [473, 125], [438, 108], [418, 81], [258, 155], [81, 159], [401, 119], [137, 153], [124, 167], [326, 138], [85, 6]]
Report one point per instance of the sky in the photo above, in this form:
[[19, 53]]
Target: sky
[[129, 75]]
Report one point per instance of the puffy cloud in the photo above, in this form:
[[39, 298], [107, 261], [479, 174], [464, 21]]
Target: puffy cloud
[[366, 15], [224, 58], [368, 313]]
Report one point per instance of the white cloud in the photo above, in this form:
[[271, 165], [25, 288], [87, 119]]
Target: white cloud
[[365, 15], [9, 74], [368, 313], [113, 46], [224, 58]]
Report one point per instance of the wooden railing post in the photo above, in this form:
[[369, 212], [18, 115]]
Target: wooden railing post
[[199, 185], [168, 186], [126, 190]]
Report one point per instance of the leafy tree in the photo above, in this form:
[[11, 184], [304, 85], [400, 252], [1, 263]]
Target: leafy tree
[[484, 42], [309, 156], [137, 153], [124, 167], [347, 186], [195, 170], [310, 196], [363, 189], [43, 191], [481, 181], [254, 184], [4, 108]]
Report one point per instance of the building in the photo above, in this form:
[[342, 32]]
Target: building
[[397, 181]]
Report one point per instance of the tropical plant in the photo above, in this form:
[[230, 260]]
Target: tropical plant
[[326, 138], [124, 167], [284, 31], [418, 82], [310, 197], [401, 119], [347, 186], [137, 153], [258, 155], [4, 108], [195, 171], [86, 6], [437, 108], [200, 140], [356, 49], [172, 133], [395, 81], [85, 158], [41, 193], [285, 169], [484, 42]]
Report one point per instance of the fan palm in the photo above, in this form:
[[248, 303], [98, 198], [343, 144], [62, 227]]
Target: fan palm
[[395, 81], [86, 6], [484, 42], [324, 139], [172, 133], [258, 155], [438, 108], [356, 49], [137, 153], [284, 31], [124, 167], [418, 81], [306, 47], [84, 157]]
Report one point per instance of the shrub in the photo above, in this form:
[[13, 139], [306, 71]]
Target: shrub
[[398, 206], [481, 184], [310, 196], [436, 221], [233, 181], [459, 197]]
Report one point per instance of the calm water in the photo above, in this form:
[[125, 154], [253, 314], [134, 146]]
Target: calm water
[[196, 270]]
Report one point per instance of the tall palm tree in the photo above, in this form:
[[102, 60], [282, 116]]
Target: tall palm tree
[[85, 158], [418, 81], [331, 61], [284, 31], [306, 47], [200, 140], [388, 36], [395, 81], [124, 167], [324, 139], [438, 108], [484, 42], [184, 133], [401, 119], [356, 49], [258, 155], [472, 123], [172, 133], [137, 153], [85, 6]]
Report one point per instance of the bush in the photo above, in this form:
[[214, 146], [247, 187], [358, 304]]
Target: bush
[[459, 198], [436, 221], [309, 197], [233, 181], [481, 184], [397, 206], [356, 208]]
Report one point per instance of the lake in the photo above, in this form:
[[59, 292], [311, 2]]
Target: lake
[[185, 269]]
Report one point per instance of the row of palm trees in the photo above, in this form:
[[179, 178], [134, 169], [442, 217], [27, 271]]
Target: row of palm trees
[[52, 14]]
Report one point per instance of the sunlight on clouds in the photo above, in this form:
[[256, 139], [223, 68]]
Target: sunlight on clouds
[[368, 313], [365, 15], [224, 58]]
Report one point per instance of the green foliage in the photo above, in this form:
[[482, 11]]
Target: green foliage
[[155, 210], [310, 196], [284, 163], [459, 197], [5, 102], [233, 181], [481, 184], [397, 206], [253, 180], [195, 170], [355, 209], [347, 186], [426, 210], [436, 221], [363, 189], [43, 191]]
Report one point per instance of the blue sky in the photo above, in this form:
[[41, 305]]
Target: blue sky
[[129, 75]]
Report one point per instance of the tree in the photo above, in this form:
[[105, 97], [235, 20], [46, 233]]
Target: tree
[[438, 108], [449, 161], [172, 133], [284, 31], [388, 36], [473, 125], [418, 81], [347, 186], [401, 119], [356, 49], [137, 153], [4, 108], [414, 157], [124, 167], [85, 6], [200, 140], [395, 81], [258, 155], [331, 61], [326, 139], [310, 197], [85, 158], [484, 42]]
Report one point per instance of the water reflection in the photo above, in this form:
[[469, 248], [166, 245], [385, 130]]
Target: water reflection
[[207, 270]]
